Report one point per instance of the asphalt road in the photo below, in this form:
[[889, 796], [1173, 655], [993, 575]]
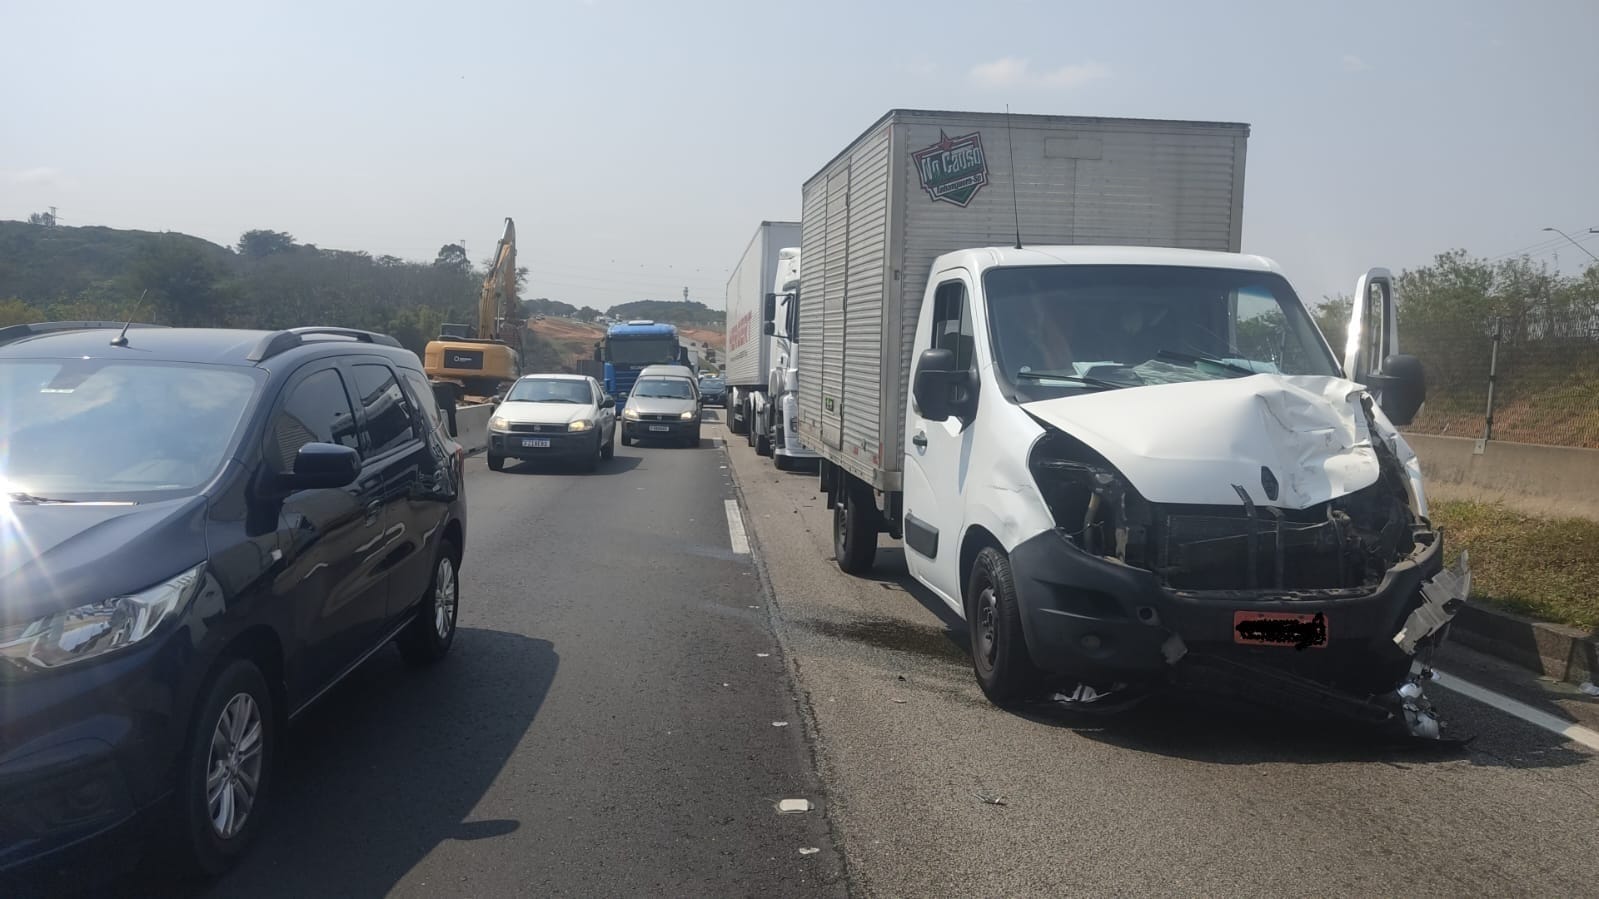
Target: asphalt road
[[1185, 795], [605, 727]]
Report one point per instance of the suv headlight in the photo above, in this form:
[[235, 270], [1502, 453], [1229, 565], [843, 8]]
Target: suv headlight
[[499, 424], [580, 425], [97, 628], [690, 415], [630, 414]]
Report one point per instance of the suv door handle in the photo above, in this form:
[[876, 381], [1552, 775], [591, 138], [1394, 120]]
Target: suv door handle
[[920, 439], [373, 510]]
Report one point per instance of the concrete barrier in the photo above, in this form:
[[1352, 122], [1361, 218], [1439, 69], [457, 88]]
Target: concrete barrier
[[472, 427], [1539, 480]]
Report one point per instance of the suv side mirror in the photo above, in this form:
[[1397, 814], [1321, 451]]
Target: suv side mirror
[[323, 465], [941, 391], [1401, 388]]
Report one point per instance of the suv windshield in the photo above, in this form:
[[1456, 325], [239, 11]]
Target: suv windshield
[[664, 388], [550, 390], [94, 429], [1074, 328]]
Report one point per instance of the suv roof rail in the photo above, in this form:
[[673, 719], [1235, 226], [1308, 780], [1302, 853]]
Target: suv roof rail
[[17, 332], [282, 341]]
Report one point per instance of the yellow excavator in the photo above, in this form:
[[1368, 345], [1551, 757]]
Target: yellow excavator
[[477, 366]]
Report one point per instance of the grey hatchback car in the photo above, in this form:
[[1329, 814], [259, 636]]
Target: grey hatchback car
[[662, 406]]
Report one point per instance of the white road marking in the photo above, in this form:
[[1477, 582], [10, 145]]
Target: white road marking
[[735, 529], [1573, 732]]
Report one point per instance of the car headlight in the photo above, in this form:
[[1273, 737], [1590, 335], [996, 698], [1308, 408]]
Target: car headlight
[[630, 414], [500, 424], [97, 628], [690, 415], [580, 425]]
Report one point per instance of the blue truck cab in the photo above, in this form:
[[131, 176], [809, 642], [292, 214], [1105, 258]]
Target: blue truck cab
[[628, 348]]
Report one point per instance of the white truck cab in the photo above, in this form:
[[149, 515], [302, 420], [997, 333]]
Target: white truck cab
[[776, 417], [1124, 466]]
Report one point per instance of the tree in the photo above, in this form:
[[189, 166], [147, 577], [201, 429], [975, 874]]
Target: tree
[[259, 244], [453, 256], [182, 283], [16, 312], [47, 219]]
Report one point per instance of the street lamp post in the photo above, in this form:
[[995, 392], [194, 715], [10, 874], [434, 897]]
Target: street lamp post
[[1574, 242]]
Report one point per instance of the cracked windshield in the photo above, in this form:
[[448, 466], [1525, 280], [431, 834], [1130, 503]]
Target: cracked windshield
[[610, 448]]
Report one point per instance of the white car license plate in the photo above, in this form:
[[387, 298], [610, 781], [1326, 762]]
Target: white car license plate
[[659, 428], [537, 442]]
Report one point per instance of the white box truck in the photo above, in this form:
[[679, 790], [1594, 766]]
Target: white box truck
[[1117, 447], [749, 349]]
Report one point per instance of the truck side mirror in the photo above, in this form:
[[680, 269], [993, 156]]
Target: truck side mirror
[[941, 390], [1401, 388], [769, 309], [769, 328], [1373, 328]]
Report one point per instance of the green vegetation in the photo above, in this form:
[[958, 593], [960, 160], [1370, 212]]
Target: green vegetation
[[1547, 383], [267, 281], [678, 312], [1544, 568]]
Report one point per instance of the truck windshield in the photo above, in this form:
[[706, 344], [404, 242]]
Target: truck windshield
[[88, 429], [640, 351], [1076, 328]]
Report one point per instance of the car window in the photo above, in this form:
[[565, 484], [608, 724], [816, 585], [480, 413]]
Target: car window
[[422, 395], [388, 414], [317, 410]]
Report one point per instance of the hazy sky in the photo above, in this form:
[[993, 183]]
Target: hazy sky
[[637, 144]]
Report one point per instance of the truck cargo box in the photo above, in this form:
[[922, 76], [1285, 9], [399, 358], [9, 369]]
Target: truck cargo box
[[748, 348], [919, 184]]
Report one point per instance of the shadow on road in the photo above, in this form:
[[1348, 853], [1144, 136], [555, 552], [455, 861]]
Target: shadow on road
[[387, 767], [618, 464]]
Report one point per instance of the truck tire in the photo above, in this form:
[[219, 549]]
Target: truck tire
[[763, 436], [496, 463], [736, 423], [1000, 659], [855, 528]]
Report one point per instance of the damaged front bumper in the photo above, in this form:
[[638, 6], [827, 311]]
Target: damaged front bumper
[[1097, 621]]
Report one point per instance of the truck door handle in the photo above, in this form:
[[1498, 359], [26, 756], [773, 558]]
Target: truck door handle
[[920, 439]]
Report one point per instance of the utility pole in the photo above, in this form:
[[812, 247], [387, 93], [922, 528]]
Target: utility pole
[[1574, 242], [685, 294], [52, 216]]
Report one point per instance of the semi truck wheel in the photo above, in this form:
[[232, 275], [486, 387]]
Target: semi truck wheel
[[994, 621], [736, 423], [855, 527]]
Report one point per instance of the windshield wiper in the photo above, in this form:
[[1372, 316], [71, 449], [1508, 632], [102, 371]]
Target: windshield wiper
[[1195, 360], [1095, 383], [28, 499]]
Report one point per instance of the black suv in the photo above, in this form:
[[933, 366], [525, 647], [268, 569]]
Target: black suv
[[201, 531]]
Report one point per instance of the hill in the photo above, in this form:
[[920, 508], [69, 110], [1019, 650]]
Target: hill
[[678, 312]]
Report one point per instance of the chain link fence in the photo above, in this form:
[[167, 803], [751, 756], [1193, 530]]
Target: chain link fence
[[1517, 380]]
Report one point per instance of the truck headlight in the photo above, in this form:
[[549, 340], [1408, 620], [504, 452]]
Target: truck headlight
[[630, 414], [690, 415], [97, 628], [499, 424], [579, 425]]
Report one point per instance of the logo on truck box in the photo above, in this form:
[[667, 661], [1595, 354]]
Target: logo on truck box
[[954, 169], [739, 333]]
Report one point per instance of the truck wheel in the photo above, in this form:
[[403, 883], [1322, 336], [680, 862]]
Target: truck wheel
[[855, 528], [994, 620], [763, 439], [496, 463], [735, 420]]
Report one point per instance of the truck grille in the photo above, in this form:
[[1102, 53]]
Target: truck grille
[[658, 416], [539, 429]]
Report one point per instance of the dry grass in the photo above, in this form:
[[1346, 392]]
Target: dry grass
[[1545, 568]]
